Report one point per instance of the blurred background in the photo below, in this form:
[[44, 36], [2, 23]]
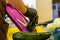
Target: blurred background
[[48, 12]]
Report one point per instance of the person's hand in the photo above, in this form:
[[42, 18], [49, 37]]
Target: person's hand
[[6, 2], [18, 4]]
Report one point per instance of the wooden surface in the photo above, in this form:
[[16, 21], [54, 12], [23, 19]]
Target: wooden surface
[[56, 1]]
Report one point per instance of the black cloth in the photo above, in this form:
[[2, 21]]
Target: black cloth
[[32, 14]]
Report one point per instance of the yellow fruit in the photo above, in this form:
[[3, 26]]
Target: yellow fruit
[[39, 29], [10, 33]]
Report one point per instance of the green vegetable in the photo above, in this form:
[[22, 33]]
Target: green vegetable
[[31, 36]]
